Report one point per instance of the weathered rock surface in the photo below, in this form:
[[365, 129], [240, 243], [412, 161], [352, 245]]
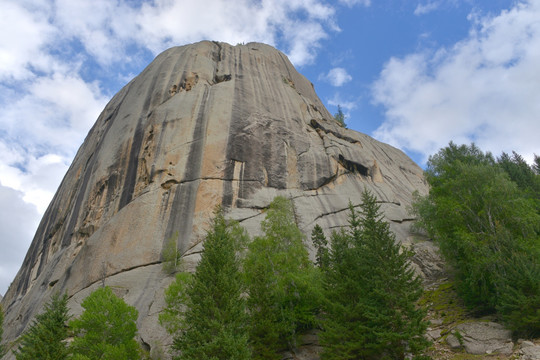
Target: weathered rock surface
[[529, 351], [482, 337], [202, 125]]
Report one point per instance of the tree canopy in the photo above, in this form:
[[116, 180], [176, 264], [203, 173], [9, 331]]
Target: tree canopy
[[281, 283], [484, 213], [106, 329]]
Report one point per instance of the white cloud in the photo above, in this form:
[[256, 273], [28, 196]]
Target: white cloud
[[18, 221], [299, 25], [351, 3], [346, 104], [336, 76], [422, 9], [23, 34], [485, 89]]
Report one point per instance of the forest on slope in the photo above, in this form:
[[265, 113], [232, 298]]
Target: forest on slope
[[253, 298]]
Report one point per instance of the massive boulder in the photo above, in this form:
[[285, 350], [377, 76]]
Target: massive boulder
[[202, 125]]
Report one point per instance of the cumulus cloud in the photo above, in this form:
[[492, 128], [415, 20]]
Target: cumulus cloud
[[351, 3], [422, 9], [18, 222], [483, 89], [336, 76], [296, 26], [23, 34], [345, 103]]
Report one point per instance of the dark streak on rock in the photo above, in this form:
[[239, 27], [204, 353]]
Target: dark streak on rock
[[183, 206], [133, 162]]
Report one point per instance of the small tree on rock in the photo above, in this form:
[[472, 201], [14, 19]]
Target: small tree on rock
[[340, 117]]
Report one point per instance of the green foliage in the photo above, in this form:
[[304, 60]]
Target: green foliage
[[321, 246], [340, 117], [372, 293], [206, 312], [176, 298], [45, 339], [171, 256], [485, 216], [106, 329], [526, 177], [536, 165], [281, 283], [519, 303], [445, 303]]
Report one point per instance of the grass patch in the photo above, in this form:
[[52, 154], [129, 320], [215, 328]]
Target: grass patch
[[444, 303]]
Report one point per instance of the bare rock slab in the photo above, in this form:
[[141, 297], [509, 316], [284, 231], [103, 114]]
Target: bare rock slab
[[482, 337]]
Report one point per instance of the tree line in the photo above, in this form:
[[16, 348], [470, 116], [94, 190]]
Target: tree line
[[105, 330], [253, 299], [484, 212], [361, 294]]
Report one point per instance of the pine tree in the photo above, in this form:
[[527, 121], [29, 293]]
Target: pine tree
[[281, 282], [372, 292], [320, 242], [340, 117], [536, 164], [106, 329], [206, 313], [45, 339]]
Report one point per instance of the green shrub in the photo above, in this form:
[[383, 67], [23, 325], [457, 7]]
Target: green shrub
[[106, 329]]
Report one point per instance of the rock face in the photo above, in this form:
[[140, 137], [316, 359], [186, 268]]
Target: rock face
[[480, 338], [202, 125]]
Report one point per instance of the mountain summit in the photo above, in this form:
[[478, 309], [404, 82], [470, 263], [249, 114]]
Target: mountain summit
[[203, 125]]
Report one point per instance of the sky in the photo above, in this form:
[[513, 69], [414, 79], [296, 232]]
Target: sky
[[416, 74]]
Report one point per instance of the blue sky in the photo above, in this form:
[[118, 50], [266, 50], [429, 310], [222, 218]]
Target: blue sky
[[413, 73]]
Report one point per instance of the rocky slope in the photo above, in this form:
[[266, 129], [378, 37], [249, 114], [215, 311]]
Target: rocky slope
[[202, 125]]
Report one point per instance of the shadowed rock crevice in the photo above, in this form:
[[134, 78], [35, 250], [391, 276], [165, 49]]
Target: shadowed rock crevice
[[353, 166]]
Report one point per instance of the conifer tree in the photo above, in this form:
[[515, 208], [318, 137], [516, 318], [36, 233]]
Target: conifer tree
[[282, 297], [320, 242], [371, 291], [206, 313], [45, 339], [106, 329]]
